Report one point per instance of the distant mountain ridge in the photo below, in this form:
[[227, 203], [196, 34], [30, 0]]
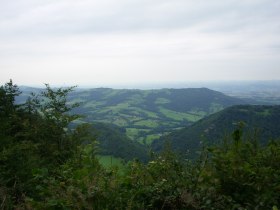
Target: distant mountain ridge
[[147, 114], [265, 120]]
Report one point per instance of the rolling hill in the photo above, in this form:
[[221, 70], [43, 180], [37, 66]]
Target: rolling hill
[[146, 115], [264, 120]]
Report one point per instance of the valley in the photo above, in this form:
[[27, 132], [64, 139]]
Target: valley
[[146, 115], [129, 122]]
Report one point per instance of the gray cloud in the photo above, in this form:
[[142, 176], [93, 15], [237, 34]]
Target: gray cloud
[[183, 36], [125, 15]]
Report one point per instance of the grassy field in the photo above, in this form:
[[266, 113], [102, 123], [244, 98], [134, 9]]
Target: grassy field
[[147, 123], [133, 133], [140, 123], [93, 104], [265, 113], [162, 101], [215, 107], [110, 162], [147, 113], [179, 116], [150, 138]]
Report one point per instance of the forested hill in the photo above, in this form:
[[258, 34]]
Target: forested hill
[[148, 114], [263, 121]]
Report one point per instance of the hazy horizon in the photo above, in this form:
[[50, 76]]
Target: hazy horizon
[[67, 42], [218, 85]]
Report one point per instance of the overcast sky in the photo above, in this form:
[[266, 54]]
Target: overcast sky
[[90, 42]]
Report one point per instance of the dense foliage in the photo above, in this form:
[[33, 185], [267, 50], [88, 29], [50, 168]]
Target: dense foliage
[[46, 165], [34, 137]]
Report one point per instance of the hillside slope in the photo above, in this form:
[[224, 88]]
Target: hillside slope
[[113, 141], [212, 129]]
